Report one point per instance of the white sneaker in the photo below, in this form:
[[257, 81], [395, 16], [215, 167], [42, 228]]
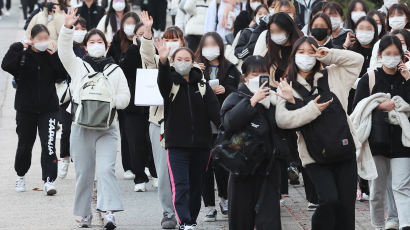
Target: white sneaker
[[63, 167], [7, 13], [148, 173], [391, 225], [155, 182], [312, 206], [189, 227], [128, 175], [109, 221], [86, 221], [50, 188], [20, 184], [365, 197], [141, 187]]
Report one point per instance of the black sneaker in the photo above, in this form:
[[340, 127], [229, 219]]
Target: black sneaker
[[168, 221], [293, 175], [211, 215]]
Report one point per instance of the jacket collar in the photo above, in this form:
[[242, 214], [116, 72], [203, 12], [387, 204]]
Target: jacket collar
[[195, 76]]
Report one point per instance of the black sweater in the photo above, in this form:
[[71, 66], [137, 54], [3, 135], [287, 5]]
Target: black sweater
[[36, 91], [229, 79], [115, 50], [187, 118], [129, 63], [92, 15], [395, 85]]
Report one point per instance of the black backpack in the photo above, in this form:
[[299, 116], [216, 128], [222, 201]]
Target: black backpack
[[241, 153], [328, 138]]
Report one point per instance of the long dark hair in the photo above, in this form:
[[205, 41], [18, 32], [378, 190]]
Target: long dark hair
[[111, 17], [400, 8], [349, 22], [382, 21], [285, 22], [221, 58], [292, 71], [375, 35], [123, 37], [317, 7]]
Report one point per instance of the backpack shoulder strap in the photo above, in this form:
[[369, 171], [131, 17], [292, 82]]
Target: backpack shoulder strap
[[88, 67], [302, 91], [372, 80], [112, 69], [323, 82]]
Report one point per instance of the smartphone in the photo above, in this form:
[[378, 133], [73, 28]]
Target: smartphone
[[263, 79]]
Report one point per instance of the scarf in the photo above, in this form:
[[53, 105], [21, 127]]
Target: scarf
[[98, 64]]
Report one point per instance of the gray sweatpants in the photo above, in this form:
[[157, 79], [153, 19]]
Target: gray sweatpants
[[161, 165], [95, 151], [399, 171]]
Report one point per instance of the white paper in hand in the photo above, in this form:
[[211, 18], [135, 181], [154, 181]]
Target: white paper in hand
[[213, 83], [146, 88]]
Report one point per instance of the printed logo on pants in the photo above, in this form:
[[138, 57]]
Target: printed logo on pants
[[51, 134]]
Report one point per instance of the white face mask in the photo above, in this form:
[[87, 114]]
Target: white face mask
[[379, 29], [129, 29], [304, 62], [96, 50], [257, 20], [254, 5], [41, 46], [391, 62], [397, 23], [174, 46], [279, 39], [253, 83], [364, 36], [210, 53], [271, 11], [79, 35], [183, 67], [388, 3], [404, 47], [335, 22], [118, 6], [356, 15]]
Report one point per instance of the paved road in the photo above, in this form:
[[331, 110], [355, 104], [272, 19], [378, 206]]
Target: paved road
[[33, 210]]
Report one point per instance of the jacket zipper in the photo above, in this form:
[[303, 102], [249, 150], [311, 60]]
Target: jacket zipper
[[192, 116], [38, 87]]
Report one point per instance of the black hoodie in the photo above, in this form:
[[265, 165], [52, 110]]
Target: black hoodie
[[187, 118], [36, 78]]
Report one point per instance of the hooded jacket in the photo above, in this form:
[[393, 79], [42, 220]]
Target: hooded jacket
[[36, 75], [188, 116]]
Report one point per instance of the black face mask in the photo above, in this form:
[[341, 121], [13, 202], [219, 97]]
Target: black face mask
[[319, 33]]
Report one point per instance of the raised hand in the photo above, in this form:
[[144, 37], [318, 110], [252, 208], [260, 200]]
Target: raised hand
[[320, 52], [261, 94], [53, 47], [147, 21], [71, 18], [163, 50], [350, 40], [322, 106], [286, 90], [404, 71]]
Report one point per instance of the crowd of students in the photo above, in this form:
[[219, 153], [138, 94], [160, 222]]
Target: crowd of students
[[326, 93]]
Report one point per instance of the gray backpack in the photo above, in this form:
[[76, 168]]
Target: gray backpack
[[94, 107]]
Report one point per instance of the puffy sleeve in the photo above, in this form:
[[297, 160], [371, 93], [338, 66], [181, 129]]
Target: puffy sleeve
[[122, 95], [72, 64]]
